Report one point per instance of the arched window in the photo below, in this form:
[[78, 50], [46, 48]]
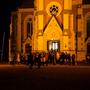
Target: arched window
[[88, 28], [29, 28]]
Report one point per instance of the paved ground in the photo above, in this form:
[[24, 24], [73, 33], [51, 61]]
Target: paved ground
[[52, 77]]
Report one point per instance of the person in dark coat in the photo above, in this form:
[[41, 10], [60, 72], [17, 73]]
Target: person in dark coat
[[30, 60], [73, 59], [39, 60], [69, 59]]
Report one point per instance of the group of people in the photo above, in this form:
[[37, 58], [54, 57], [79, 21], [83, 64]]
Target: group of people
[[51, 57]]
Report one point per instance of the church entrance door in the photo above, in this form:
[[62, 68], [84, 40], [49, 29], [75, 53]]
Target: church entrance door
[[53, 45], [28, 48]]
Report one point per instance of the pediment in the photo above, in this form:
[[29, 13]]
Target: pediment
[[53, 29], [53, 22]]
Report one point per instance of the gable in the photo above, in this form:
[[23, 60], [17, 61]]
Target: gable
[[53, 23], [53, 29], [53, 18]]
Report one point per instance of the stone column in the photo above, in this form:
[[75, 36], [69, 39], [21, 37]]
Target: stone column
[[18, 33], [40, 22], [10, 56], [66, 23], [67, 4]]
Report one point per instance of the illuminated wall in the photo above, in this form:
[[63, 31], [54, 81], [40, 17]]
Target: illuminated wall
[[54, 20], [66, 21], [72, 35], [65, 43], [40, 22], [52, 32], [40, 5], [40, 43], [67, 4]]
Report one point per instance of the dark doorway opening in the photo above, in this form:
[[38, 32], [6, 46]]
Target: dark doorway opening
[[28, 48], [88, 48], [88, 28]]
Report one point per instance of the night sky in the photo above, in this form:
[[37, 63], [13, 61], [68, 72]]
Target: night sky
[[6, 6]]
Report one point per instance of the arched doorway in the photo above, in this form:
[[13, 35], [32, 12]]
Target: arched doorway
[[28, 48]]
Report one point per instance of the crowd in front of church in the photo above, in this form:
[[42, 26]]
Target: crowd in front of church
[[45, 58]]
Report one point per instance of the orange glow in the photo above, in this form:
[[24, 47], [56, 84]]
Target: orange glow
[[40, 22], [66, 21], [65, 43], [67, 4], [40, 5], [52, 21], [75, 2], [40, 43]]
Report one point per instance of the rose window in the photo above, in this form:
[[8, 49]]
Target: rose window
[[54, 10]]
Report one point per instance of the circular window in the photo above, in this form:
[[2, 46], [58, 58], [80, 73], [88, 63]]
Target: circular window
[[53, 8]]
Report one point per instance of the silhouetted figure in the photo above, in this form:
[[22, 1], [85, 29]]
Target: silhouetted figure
[[57, 56], [88, 58], [66, 57], [39, 60], [62, 58], [73, 59], [14, 59], [30, 60], [42, 58], [50, 58], [69, 58], [53, 58], [46, 58]]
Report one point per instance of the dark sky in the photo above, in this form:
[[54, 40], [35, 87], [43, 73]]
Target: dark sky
[[6, 6], [86, 1]]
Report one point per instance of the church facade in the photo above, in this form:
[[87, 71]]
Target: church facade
[[61, 25]]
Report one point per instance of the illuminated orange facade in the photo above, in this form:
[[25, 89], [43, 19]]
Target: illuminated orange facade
[[61, 25]]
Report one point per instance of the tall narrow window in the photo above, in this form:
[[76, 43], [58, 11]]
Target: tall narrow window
[[29, 28], [88, 28]]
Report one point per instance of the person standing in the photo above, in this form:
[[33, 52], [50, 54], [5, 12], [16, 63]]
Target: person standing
[[46, 59], [39, 60], [30, 60], [73, 59]]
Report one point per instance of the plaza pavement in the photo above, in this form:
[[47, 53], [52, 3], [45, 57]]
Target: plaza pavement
[[51, 77], [49, 65]]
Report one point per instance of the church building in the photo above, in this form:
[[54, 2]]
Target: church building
[[61, 25]]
